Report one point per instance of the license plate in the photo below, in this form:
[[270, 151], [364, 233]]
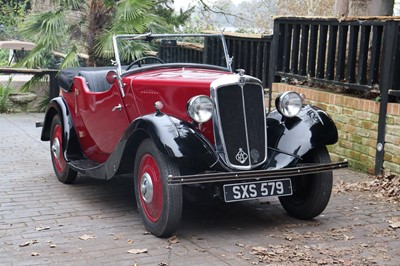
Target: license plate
[[260, 189]]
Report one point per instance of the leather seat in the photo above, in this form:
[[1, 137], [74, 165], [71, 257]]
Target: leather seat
[[96, 80]]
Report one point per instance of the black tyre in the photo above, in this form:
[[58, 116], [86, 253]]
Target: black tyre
[[63, 172], [159, 204], [311, 193]]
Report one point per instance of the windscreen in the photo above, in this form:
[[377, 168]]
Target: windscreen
[[165, 49]]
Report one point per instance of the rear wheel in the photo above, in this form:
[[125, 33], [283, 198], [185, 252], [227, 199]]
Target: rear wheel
[[311, 193], [159, 204], [63, 172]]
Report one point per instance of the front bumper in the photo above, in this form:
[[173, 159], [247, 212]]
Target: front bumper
[[254, 174]]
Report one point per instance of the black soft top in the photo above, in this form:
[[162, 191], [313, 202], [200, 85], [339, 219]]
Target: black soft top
[[66, 75]]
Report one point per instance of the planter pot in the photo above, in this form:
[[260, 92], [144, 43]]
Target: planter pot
[[22, 99]]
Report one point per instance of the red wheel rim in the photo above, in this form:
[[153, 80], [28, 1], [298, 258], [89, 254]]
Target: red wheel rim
[[57, 150], [150, 188]]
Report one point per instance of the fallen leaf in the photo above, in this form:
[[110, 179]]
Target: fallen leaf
[[173, 240], [137, 251], [87, 237], [41, 228], [259, 251], [395, 225], [31, 242]]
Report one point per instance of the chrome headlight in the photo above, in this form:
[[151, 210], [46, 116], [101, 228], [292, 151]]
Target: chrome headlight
[[200, 108], [289, 103]]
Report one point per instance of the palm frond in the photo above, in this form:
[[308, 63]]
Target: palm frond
[[35, 80], [36, 57], [71, 60], [47, 29], [129, 10]]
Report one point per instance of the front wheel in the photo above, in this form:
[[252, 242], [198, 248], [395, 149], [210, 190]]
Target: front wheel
[[159, 204], [63, 172], [311, 193]]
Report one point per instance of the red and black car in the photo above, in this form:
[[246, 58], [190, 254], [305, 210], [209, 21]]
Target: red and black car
[[179, 119]]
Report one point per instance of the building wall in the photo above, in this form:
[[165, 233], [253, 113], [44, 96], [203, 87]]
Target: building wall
[[357, 123]]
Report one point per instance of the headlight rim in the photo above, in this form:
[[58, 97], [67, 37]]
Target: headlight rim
[[191, 103], [281, 109]]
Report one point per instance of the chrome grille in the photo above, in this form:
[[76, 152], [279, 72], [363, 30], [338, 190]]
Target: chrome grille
[[240, 129]]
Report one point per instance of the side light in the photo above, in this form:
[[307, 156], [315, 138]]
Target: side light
[[200, 108], [289, 103]]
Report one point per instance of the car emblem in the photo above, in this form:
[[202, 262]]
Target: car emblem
[[255, 155], [241, 156]]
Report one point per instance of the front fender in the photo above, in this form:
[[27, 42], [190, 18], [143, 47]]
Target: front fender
[[291, 138], [171, 136]]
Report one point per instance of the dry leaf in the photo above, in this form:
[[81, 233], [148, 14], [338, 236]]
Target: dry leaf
[[259, 251], [173, 240], [41, 228], [28, 243], [87, 237], [395, 225], [137, 251]]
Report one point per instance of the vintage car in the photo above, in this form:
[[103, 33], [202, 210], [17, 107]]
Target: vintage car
[[178, 119]]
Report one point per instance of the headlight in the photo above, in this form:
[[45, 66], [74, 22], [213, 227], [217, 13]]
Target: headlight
[[200, 108], [289, 103]]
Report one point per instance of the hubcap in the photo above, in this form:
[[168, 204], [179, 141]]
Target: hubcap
[[146, 188], [55, 148]]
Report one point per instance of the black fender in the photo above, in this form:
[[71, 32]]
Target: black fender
[[172, 136], [71, 146], [291, 138]]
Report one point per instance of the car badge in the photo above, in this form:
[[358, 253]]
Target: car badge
[[255, 155], [241, 156]]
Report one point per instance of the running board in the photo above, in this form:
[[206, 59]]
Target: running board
[[254, 174], [88, 168]]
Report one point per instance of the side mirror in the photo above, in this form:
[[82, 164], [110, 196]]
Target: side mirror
[[111, 77]]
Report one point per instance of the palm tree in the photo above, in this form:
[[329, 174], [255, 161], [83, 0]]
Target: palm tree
[[75, 27]]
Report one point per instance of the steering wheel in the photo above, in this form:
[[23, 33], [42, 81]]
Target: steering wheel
[[138, 61]]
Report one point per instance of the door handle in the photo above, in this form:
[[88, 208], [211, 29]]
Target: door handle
[[118, 107]]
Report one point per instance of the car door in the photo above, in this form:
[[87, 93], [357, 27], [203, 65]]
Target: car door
[[103, 118]]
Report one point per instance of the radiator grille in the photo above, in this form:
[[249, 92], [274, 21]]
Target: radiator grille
[[242, 126]]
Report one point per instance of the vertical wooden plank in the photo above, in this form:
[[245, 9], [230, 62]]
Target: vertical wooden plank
[[305, 28], [341, 57], [286, 47], [330, 64], [323, 34], [259, 58], [295, 49], [363, 60], [312, 51], [352, 55]]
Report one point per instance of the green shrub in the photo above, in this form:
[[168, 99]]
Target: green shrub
[[4, 55], [5, 90]]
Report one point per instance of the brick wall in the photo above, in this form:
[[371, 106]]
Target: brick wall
[[357, 123]]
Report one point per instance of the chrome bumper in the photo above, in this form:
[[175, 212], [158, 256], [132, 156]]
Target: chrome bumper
[[255, 174]]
